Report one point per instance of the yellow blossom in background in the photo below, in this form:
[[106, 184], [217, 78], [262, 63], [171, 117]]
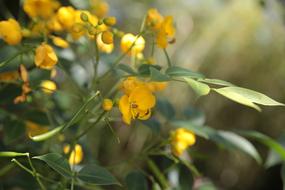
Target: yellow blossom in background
[[10, 31], [106, 48], [156, 86], [66, 16], [107, 104], [154, 19], [60, 42], [107, 37], [48, 86], [79, 27], [181, 139], [136, 44], [99, 8], [76, 155], [165, 32], [40, 8], [53, 24], [110, 21], [33, 129], [162, 27], [39, 29], [45, 57]]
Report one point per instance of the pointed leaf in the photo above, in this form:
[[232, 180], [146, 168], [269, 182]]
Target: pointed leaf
[[216, 82], [201, 89], [126, 68], [175, 71], [56, 162], [237, 98], [96, 175], [247, 97], [232, 140], [156, 75], [269, 142]]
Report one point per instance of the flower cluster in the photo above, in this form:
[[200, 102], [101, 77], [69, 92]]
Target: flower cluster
[[181, 139], [138, 98]]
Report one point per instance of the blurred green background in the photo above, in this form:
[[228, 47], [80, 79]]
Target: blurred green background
[[240, 41]]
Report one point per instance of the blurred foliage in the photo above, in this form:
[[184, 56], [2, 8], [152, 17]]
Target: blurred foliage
[[241, 41]]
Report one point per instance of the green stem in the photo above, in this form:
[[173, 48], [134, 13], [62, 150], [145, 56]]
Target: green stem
[[75, 116], [160, 177], [31, 172], [191, 168], [22, 166], [91, 125], [167, 57], [35, 174], [3, 63]]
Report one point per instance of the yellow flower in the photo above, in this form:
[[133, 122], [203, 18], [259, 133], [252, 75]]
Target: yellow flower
[[137, 105], [39, 29], [157, 86], [107, 37], [48, 86], [107, 104], [129, 84], [76, 155], [154, 19], [107, 48], [79, 29], [99, 8], [60, 42], [45, 57], [66, 16], [110, 21], [181, 139], [54, 25], [33, 129], [40, 8], [10, 31], [135, 43], [165, 32]]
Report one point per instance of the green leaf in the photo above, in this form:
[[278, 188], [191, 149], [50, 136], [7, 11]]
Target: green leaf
[[144, 69], [48, 134], [136, 181], [267, 141], [127, 69], [156, 75], [274, 158], [12, 154], [96, 175], [175, 71], [233, 140], [56, 162], [199, 88], [247, 97], [165, 108], [216, 82], [201, 131]]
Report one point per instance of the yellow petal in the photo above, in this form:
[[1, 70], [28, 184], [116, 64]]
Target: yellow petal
[[124, 108], [142, 98]]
